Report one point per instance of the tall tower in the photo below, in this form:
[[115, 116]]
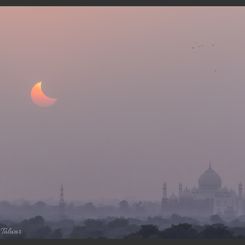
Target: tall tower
[[62, 203], [164, 197], [240, 190], [180, 189], [240, 200], [164, 191]]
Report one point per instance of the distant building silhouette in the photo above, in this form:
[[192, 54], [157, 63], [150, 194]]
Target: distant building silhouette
[[62, 203], [208, 199]]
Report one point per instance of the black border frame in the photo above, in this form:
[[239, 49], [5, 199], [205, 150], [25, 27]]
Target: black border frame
[[122, 3]]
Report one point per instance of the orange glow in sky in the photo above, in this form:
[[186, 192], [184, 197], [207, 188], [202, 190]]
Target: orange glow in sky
[[39, 98]]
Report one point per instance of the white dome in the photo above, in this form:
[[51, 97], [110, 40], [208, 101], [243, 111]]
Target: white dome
[[209, 180]]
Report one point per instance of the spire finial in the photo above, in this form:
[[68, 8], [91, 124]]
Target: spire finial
[[209, 165]]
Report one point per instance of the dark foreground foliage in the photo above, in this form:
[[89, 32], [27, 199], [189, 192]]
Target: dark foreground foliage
[[185, 231], [120, 228]]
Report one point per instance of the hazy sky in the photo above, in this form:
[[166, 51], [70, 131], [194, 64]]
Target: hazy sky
[[139, 102]]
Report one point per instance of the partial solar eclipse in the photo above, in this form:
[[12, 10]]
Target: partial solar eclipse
[[39, 98]]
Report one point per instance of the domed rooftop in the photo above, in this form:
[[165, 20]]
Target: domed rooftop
[[209, 180]]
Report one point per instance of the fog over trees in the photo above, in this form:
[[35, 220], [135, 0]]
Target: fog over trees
[[174, 227], [138, 220], [124, 220]]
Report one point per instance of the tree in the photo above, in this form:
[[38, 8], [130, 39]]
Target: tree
[[77, 232], [32, 226], [216, 231], [40, 205], [57, 234], [124, 205], [42, 233], [89, 207], [83, 232], [118, 223], [148, 231], [182, 231], [216, 219], [94, 223]]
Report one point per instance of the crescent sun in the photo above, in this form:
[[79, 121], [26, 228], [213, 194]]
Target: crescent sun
[[39, 98]]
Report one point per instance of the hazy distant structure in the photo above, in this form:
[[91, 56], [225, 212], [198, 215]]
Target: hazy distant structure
[[164, 191], [208, 199], [62, 203]]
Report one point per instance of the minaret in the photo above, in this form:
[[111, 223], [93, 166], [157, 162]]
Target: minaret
[[240, 200], [62, 202], [164, 191], [164, 197], [180, 190], [240, 188]]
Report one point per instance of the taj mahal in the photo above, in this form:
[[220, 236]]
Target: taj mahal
[[209, 198]]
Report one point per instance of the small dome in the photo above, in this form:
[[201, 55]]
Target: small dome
[[209, 180], [173, 197]]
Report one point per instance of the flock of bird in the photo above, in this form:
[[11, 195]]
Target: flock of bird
[[198, 45]]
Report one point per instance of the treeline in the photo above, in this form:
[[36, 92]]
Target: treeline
[[19, 211], [188, 231], [121, 228]]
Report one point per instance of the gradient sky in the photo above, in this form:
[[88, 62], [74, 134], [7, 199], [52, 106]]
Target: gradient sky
[[137, 105]]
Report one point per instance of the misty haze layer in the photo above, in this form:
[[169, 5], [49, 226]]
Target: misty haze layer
[[145, 95]]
